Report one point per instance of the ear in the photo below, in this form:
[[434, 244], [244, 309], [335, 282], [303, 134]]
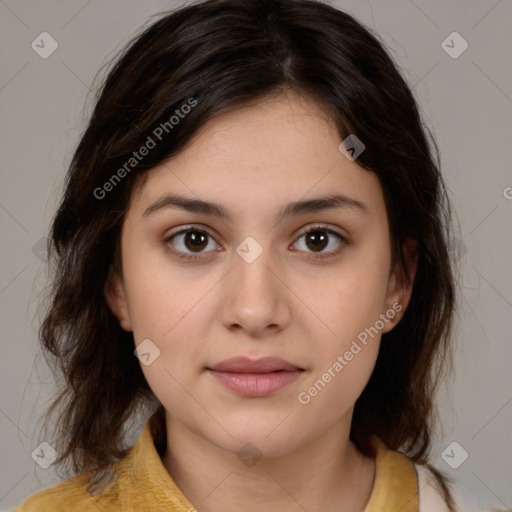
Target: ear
[[115, 295], [399, 290]]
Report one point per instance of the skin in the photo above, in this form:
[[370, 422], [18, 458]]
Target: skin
[[287, 303]]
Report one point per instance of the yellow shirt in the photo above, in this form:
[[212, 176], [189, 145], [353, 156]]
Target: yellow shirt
[[140, 482]]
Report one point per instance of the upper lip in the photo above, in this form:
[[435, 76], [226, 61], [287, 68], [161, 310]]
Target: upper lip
[[247, 365]]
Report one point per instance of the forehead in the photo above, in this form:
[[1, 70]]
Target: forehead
[[261, 156]]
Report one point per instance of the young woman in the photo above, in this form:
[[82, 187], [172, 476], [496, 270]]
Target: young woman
[[253, 248]]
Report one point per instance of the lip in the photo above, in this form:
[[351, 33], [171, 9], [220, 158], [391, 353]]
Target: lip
[[247, 365], [255, 378]]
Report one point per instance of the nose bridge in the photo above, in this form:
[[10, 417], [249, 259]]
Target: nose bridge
[[254, 297], [252, 261]]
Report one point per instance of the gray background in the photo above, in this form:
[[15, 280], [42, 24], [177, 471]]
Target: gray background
[[467, 101]]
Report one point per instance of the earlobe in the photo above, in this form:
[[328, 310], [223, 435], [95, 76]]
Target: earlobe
[[115, 296]]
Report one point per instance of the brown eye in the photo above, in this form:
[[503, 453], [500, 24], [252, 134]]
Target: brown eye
[[195, 240], [318, 238], [189, 242]]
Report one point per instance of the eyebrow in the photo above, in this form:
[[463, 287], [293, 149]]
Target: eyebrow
[[293, 209]]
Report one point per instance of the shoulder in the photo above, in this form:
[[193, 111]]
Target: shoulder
[[83, 492], [430, 494], [431, 497], [128, 484]]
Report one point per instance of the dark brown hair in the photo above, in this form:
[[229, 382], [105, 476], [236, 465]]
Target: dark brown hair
[[224, 55]]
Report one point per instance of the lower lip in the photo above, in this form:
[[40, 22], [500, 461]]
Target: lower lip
[[256, 384]]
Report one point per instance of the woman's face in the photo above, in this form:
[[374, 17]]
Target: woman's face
[[258, 285]]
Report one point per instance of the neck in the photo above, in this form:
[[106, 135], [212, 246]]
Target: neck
[[321, 475]]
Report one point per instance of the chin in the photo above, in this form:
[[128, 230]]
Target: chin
[[260, 438]]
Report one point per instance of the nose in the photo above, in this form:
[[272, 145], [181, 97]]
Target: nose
[[256, 297]]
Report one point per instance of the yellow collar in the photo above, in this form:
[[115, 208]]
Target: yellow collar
[[396, 482], [395, 486], [141, 483]]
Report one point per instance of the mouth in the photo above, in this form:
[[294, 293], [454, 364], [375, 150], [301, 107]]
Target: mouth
[[255, 378]]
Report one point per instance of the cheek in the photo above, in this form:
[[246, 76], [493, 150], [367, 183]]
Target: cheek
[[335, 389], [349, 299], [350, 304], [174, 322], [344, 360], [163, 298], [175, 312]]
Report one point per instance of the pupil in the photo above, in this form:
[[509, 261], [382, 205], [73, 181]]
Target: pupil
[[315, 237], [197, 238]]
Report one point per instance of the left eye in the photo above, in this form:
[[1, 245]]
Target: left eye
[[318, 238]]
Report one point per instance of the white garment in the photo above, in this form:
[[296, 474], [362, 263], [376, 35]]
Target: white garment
[[431, 496]]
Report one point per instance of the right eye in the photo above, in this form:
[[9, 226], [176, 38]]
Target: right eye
[[190, 239]]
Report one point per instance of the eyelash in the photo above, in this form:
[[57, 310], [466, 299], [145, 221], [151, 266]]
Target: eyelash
[[319, 227]]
